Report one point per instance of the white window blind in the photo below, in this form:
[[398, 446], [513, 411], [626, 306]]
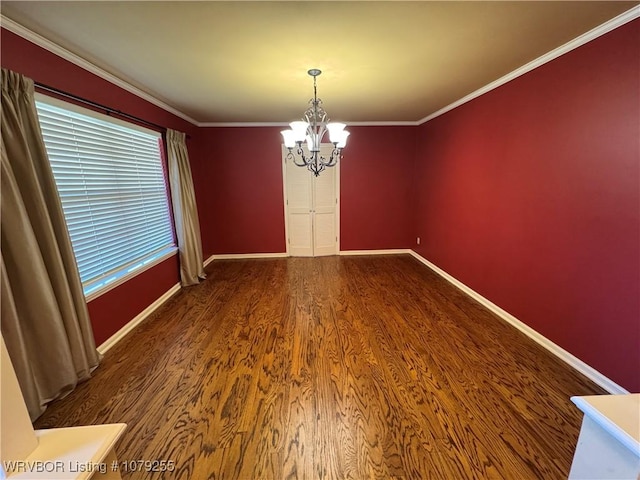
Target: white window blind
[[112, 187]]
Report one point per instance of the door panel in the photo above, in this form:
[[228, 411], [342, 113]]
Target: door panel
[[324, 234], [300, 235], [325, 189], [299, 193]]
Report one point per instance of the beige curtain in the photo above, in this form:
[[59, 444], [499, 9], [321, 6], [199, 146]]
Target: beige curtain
[[185, 211], [45, 322]]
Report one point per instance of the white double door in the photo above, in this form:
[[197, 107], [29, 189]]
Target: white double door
[[311, 208]]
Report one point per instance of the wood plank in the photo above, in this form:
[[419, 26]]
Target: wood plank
[[333, 367]]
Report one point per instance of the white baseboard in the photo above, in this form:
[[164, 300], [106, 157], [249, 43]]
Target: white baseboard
[[208, 261], [588, 371], [116, 337], [236, 256], [375, 252], [240, 256]]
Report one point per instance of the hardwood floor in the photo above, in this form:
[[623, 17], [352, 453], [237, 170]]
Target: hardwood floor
[[332, 368]]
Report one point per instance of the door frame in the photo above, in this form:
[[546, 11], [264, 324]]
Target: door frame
[[285, 151]]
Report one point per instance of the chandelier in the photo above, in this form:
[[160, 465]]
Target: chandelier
[[311, 130]]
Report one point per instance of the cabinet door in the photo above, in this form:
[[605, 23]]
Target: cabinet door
[[299, 209], [325, 241]]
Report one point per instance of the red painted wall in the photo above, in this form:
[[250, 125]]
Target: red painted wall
[[111, 311], [530, 195], [114, 309], [375, 188], [241, 192]]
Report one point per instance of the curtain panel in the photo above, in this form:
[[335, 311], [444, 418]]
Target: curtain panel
[[45, 322], [185, 211]]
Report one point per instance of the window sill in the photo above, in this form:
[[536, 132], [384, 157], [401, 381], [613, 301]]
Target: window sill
[[124, 278]]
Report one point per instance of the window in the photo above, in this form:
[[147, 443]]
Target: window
[[112, 186]]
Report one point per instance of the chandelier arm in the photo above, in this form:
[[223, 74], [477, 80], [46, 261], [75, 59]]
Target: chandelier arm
[[315, 168], [299, 156], [333, 159], [317, 163], [335, 155], [293, 157]]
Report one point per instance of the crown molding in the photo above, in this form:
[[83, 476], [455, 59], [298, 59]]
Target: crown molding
[[600, 30], [242, 124], [56, 49], [391, 123], [285, 124]]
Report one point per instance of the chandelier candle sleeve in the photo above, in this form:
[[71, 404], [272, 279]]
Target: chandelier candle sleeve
[[338, 134], [289, 138], [299, 130], [311, 130]]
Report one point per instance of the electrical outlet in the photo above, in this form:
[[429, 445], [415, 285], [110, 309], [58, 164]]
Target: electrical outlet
[[417, 240]]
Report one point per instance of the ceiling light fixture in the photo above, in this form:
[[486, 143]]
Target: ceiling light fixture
[[311, 130]]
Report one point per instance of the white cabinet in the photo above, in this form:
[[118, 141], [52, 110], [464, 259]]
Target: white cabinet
[[609, 443], [77, 453]]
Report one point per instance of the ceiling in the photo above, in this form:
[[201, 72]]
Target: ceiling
[[242, 61]]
